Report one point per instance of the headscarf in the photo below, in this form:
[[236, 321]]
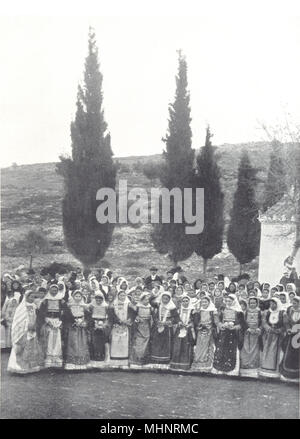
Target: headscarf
[[168, 306], [184, 313], [103, 304], [278, 303], [92, 280], [292, 286], [235, 306], [21, 319], [72, 301], [211, 306], [59, 296], [285, 305], [121, 313], [119, 283]]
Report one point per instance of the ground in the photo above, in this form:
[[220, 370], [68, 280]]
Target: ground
[[127, 395]]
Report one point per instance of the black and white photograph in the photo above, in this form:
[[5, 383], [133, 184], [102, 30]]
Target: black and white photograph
[[150, 213]]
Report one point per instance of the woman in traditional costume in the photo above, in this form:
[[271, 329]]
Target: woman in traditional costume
[[289, 366], [99, 328], [218, 299], [49, 326], [273, 327], [7, 314], [285, 300], [104, 285], [141, 330], [229, 339], [250, 353], [184, 337], [26, 355], [205, 321], [120, 315], [122, 284], [232, 289], [204, 287], [77, 354], [264, 300], [198, 286], [178, 296], [165, 316]]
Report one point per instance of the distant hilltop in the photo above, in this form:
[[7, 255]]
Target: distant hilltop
[[253, 147]]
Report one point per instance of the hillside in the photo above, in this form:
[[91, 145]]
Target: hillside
[[31, 198]]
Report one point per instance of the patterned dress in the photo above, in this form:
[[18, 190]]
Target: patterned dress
[[140, 347], [228, 343], [250, 353], [289, 366], [271, 339], [50, 326], [205, 326], [77, 356]]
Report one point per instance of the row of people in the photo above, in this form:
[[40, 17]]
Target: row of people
[[247, 329]]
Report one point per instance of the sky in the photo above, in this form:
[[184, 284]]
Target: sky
[[243, 70]]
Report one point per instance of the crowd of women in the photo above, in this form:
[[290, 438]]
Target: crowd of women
[[75, 321]]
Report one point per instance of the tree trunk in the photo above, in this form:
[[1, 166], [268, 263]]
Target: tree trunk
[[30, 263], [204, 266], [241, 268]]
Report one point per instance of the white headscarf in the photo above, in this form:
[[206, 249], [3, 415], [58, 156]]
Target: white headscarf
[[185, 313], [211, 306], [236, 306], [121, 313], [59, 296], [119, 283], [279, 305]]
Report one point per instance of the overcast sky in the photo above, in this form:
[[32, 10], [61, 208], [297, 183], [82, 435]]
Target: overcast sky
[[240, 71]]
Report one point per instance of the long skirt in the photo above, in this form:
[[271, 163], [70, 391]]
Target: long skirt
[[250, 355], [99, 340], [270, 356], [182, 352], [51, 342], [77, 349], [161, 347], [119, 345], [204, 351], [140, 348], [226, 358], [26, 355], [289, 366], [6, 336]]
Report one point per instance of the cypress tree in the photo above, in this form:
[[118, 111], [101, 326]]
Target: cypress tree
[[243, 235], [177, 171], [89, 168], [209, 243], [275, 186]]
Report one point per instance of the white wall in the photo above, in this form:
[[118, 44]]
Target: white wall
[[276, 244]]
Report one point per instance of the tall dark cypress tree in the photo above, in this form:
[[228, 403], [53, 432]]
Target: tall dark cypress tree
[[89, 168], [243, 235], [275, 186], [178, 169], [209, 243]]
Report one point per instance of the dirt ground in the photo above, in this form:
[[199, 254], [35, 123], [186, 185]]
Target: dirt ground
[[150, 395]]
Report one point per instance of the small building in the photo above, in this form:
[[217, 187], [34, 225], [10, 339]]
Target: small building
[[278, 231]]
